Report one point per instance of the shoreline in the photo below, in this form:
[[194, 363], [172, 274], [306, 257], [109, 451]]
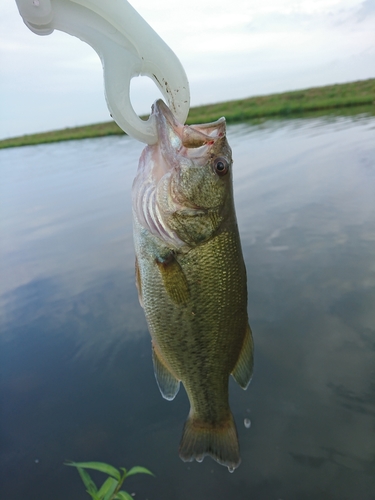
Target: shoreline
[[286, 104]]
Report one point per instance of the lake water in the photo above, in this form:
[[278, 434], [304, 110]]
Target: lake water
[[76, 372]]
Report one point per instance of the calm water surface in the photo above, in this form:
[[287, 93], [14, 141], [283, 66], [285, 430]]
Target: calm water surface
[[76, 371]]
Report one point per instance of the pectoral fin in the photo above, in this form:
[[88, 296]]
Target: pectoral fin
[[174, 279], [243, 370], [168, 384]]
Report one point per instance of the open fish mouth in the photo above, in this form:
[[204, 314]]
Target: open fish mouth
[[187, 136]]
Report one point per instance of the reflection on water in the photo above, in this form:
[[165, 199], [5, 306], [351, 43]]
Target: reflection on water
[[76, 371]]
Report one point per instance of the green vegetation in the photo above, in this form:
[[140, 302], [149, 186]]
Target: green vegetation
[[338, 96], [111, 488], [288, 103]]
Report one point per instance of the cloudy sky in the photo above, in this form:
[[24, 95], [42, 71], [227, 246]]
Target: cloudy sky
[[230, 49]]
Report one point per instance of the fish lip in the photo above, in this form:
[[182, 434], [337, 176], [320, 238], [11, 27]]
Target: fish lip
[[163, 114], [159, 107]]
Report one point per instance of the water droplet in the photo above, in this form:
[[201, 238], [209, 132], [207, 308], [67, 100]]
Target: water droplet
[[231, 469], [247, 423], [199, 458], [36, 460]]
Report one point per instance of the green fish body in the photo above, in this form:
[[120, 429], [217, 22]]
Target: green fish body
[[191, 278]]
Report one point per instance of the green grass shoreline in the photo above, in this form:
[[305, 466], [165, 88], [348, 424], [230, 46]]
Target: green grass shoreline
[[330, 97]]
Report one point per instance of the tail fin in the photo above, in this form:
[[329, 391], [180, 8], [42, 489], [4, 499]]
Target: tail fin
[[220, 441]]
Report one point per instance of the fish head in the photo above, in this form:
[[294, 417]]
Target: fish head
[[189, 176], [199, 160]]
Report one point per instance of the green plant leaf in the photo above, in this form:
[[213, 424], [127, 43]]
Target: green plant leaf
[[94, 496], [139, 470], [123, 495], [100, 466], [107, 489], [87, 481]]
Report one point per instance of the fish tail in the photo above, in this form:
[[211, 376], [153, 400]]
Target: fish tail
[[219, 440]]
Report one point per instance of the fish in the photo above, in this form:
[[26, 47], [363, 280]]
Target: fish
[[191, 278]]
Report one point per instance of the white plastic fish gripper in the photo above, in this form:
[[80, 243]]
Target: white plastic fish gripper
[[127, 47]]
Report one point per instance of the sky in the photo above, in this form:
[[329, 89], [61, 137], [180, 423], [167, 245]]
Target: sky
[[229, 49]]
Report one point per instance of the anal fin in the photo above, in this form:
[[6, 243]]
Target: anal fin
[[168, 384], [243, 370]]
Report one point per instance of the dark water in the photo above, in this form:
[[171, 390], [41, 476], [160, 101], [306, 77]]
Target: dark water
[[76, 371]]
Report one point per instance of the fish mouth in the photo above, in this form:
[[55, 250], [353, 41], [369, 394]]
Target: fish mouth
[[187, 136]]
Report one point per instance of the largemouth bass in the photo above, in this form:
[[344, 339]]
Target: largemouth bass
[[191, 278]]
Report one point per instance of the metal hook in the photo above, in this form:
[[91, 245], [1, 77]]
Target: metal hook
[[127, 47]]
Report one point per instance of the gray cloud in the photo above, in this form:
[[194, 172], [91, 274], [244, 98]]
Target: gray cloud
[[56, 81]]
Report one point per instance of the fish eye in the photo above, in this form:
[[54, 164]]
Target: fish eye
[[221, 166]]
